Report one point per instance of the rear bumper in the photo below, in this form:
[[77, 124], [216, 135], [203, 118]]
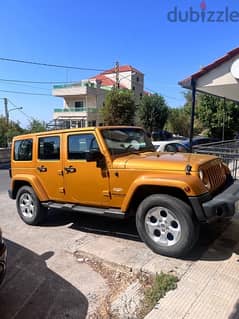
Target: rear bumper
[[225, 204], [3, 260]]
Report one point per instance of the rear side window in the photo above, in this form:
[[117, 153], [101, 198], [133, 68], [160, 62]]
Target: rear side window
[[49, 148], [23, 150], [79, 145]]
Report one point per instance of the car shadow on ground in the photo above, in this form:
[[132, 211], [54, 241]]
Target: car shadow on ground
[[235, 312], [210, 246], [31, 290]]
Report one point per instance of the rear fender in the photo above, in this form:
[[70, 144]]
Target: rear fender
[[31, 180]]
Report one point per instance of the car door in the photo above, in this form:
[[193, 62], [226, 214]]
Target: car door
[[49, 165], [84, 182]]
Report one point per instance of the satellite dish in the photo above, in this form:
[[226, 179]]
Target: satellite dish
[[235, 69]]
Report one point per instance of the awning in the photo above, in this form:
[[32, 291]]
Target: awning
[[220, 78]]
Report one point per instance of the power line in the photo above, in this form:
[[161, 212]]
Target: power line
[[26, 86], [37, 82], [169, 97], [50, 65], [25, 93], [30, 118]]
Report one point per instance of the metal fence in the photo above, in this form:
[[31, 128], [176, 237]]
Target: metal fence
[[228, 151]]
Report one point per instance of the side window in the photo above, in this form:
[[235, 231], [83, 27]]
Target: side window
[[49, 148], [171, 148], [80, 144], [23, 150]]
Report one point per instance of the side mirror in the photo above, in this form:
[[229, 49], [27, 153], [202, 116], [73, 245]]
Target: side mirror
[[98, 157], [93, 156]]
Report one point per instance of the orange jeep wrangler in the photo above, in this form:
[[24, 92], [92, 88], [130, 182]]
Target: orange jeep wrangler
[[115, 171]]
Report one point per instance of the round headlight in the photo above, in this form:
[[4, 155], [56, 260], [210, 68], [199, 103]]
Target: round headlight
[[201, 175]]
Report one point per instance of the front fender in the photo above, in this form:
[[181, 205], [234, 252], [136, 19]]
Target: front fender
[[189, 184]]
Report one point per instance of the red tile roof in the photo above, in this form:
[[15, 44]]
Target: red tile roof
[[122, 68], [186, 83], [105, 81]]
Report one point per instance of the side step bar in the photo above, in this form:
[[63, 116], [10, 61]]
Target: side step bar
[[112, 212]]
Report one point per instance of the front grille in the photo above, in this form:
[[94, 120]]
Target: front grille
[[215, 174]]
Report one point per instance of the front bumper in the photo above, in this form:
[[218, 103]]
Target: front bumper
[[3, 260], [225, 204]]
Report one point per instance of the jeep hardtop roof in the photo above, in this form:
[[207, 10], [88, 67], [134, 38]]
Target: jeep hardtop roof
[[80, 129]]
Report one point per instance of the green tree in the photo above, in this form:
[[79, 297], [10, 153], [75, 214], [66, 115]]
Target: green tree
[[152, 112], [8, 131], [219, 117], [36, 126], [179, 121], [119, 108]]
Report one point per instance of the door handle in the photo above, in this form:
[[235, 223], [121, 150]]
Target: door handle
[[70, 169], [42, 168]]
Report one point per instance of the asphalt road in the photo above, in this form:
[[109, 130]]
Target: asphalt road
[[44, 280], [4, 180]]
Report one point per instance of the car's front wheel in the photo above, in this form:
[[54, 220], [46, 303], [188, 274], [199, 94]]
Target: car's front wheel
[[167, 225], [29, 207]]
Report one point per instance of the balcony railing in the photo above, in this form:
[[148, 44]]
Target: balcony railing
[[71, 85], [82, 109]]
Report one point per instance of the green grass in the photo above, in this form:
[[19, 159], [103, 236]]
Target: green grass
[[161, 284]]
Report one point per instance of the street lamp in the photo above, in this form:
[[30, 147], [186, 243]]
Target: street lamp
[[13, 109]]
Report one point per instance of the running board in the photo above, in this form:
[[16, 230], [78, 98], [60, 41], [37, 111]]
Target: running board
[[112, 212]]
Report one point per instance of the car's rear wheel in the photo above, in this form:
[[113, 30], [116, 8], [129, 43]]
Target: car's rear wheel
[[167, 225], [29, 207]]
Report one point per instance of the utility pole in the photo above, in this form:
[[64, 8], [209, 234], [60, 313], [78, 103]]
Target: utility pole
[[117, 75], [6, 110]]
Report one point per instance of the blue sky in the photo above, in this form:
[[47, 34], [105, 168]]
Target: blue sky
[[95, 34]]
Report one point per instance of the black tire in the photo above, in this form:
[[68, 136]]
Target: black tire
[[29, 207], [167, 225]]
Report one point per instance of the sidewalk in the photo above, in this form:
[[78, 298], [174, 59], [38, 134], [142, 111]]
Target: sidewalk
[[210, 287]]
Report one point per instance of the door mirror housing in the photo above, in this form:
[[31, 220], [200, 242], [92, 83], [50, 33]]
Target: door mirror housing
[[93, 156], [96, 156]]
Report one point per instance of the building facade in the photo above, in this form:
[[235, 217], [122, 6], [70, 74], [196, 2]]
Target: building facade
[[82, 100]]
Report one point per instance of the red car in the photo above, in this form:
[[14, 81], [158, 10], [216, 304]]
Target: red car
[[3, 257]]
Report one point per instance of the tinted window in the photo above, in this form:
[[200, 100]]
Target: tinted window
[[176, 147], [79, 145], [23, 150], [126, 140], [49, 148], [171, 148]]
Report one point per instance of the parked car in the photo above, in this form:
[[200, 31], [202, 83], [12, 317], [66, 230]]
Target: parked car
[[198, 140], [3, 257], [170, 146], [161, 135], [115, 171]]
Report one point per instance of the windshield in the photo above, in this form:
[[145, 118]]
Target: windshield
[[127, 140]]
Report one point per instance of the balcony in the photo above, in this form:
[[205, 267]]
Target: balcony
[[72, 85], [75, 89], [78, 110], [71, 113]]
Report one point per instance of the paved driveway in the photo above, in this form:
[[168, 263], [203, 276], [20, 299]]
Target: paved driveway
[[47, 274]]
